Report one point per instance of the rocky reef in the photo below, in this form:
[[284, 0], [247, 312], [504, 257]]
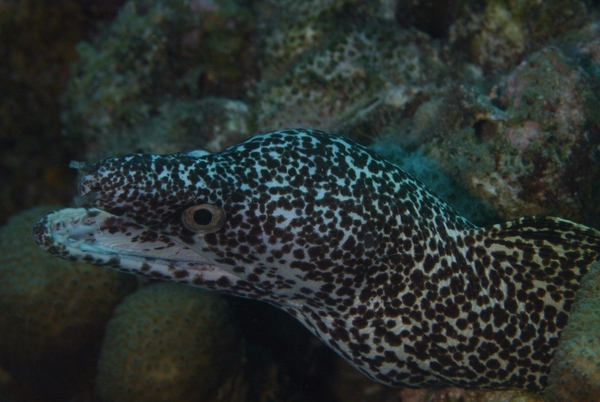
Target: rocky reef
[[162, 69], [494, 104], [512, 117]]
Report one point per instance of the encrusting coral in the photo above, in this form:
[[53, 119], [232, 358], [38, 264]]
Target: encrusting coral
[[356, 77], [496, 33], [536, 151]]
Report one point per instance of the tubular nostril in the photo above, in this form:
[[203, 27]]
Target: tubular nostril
[[83, 167]]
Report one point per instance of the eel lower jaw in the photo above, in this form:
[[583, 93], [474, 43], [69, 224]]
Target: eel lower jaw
[[96, 237]]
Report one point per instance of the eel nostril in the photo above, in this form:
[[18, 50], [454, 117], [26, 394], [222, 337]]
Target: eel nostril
[[84, 167]]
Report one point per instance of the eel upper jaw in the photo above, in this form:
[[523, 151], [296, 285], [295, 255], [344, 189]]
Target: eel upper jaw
[[97, 237]]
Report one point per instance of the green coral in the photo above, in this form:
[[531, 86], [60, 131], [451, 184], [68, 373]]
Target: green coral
[[168, 342], [52, 312]]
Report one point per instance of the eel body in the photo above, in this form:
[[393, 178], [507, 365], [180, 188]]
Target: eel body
[[365, 256]]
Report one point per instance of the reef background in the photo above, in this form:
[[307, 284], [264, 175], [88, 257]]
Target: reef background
[[494, 104]]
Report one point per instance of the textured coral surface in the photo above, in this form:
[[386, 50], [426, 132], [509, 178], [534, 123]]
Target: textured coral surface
[[171, 343], [150, 75]]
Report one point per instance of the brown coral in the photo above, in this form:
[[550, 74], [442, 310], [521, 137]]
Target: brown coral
[[167, 342]]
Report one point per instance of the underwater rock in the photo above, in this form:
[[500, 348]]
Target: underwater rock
[[552, 124], [209, 123], [432, 16], [52, 312], [538, 153], [575, 371], [345, 67], [150, 67], [168, 342], [355, 84], [496, 33]]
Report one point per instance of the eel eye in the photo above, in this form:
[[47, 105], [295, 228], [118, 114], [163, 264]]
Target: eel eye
[[203, 218]]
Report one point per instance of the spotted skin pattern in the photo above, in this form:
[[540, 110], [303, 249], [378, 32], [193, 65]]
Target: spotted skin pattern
[[371, 261]]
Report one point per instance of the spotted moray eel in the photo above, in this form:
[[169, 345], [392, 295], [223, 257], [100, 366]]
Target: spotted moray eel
[[368, 258]]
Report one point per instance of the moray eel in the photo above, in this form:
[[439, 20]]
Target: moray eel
[[365, 256]]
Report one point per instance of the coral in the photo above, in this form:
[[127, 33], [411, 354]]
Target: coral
[[168, 342], [539, 154], [157, 52], [575, 371], [496, 33], [295, 28], [345, 67], [365, 77], [52, 312], [208, 123]]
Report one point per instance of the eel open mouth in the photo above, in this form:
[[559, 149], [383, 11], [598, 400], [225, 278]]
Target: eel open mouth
[[96, 237]]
